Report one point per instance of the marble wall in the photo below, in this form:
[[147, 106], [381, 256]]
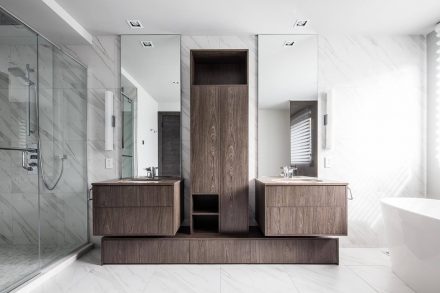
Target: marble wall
[[18, 190], [379, 103], [29, 212], [63, 132], [102, 60]]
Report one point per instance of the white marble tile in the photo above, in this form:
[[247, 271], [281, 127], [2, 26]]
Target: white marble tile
[[329, 278], [382, 279], [364, 257], [255, 278], [185, 279], [87, 275], [378, 91]]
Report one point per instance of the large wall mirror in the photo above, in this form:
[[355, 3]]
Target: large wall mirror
[[150, 89], [287, 104]]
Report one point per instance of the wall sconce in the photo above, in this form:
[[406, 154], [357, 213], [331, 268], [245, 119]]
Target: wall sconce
[[328, 120], [109, 121]]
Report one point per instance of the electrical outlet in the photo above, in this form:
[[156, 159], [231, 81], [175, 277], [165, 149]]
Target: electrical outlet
[[327, 162], [109, 163]]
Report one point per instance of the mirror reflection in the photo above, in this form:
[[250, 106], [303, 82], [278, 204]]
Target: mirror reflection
[[150, 90], [287, 105]]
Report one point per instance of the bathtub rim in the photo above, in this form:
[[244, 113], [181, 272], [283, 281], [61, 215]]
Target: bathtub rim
[[432, 213]]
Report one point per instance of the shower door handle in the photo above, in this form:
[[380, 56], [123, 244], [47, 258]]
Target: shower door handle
[[24, 163], [23, 160]]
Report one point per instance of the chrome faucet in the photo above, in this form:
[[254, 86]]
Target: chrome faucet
[[289, 171], [152, 172]]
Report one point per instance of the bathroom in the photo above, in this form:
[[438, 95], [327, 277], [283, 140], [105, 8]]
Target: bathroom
[[80, 81]]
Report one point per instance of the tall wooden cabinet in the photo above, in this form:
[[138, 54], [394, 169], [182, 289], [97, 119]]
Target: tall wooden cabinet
[[219, 141]]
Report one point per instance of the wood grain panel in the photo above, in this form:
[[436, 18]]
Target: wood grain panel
[[205, 136], [220, 251], [177, 208], [134, 221], [293, 221], [299, 251], [277, 196], [132, 196], [234, 180], [138, 251]]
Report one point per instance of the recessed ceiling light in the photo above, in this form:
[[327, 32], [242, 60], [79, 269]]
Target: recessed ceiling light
[[147, 44], [289, 43], [301, 23], [134, 23]]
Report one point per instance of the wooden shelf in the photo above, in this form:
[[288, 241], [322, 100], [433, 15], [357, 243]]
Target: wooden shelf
[[204, 213]]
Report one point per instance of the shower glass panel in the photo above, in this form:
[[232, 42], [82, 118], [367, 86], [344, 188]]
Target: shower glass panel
[[19, 238], [63, 180], [43, 162]]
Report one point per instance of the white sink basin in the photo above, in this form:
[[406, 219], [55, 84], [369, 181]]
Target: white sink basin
[[139, 181], [298, 179]]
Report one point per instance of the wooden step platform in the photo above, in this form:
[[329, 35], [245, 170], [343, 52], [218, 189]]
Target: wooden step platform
[[251, 248]]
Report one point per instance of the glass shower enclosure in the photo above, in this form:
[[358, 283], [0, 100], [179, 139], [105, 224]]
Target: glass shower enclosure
[[43, 163]]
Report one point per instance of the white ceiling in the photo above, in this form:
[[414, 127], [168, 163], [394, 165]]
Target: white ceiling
[[255, 16], [222, 17], [44, 20]]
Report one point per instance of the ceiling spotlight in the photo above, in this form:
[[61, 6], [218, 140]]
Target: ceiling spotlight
[[135, 24], [301, 23], [289, 43], [147, 44]]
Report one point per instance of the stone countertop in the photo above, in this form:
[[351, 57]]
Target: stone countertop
[[298, 180], [140, 181]]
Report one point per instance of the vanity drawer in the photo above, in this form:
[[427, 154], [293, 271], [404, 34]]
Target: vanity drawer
[[132, 196], [301, 210], [136, 210], [305, 196], [299, 221], [133, 221]]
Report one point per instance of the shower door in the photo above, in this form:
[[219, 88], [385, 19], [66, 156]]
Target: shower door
[[63, 135], [19, 199]]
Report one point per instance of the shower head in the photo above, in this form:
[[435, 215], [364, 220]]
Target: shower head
[[18, 72]]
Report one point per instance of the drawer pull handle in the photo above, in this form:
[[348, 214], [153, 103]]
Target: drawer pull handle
[[351, 193]]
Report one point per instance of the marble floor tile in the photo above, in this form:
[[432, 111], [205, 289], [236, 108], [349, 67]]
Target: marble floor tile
[[185, 279], [327, 278], [255, 279], [364, 257], [382, 279], [363, 271]]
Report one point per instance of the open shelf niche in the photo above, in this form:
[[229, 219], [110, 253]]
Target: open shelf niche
[[205, 213], [213, 67]]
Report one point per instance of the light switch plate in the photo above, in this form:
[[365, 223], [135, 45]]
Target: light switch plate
[[109, 163], [327, 162]]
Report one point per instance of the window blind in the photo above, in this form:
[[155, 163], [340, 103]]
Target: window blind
[[301, 138]]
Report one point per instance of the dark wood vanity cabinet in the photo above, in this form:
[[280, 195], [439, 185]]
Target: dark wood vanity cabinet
[[301, 210], [150, 209], [219, 137]]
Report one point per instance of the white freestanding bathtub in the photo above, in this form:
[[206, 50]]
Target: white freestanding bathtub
[[412, 227]]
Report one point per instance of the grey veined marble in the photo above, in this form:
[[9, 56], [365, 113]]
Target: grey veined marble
[[43, 213]]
